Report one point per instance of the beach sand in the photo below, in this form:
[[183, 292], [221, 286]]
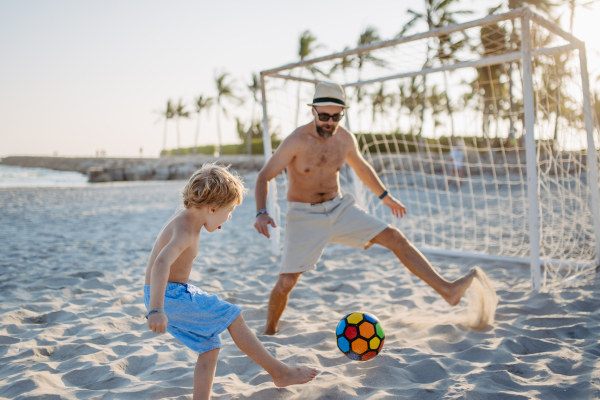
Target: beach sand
[[71, 313]]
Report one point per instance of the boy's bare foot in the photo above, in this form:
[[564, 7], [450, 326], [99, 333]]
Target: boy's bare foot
[[293, 375], [459, 287]]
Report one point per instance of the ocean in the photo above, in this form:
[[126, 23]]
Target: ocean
[[11, 177]]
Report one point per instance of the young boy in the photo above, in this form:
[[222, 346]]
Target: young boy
[[189, 314]]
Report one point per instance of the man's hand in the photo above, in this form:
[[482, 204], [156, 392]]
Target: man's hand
[[397, 208], [158, 323], [262, 222]]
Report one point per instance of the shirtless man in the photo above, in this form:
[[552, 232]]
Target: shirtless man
[[313, 155]]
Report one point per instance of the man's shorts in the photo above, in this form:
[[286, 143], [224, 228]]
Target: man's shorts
[[195, 318], [309, 227]]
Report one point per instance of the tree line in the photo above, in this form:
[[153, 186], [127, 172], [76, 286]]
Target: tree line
[[491, 90]]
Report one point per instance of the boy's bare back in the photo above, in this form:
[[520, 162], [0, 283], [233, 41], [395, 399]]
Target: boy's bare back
[[177, 234]]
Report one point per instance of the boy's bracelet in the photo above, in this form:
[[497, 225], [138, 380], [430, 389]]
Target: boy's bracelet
[[261, 212], [155, 311], [385, 193]]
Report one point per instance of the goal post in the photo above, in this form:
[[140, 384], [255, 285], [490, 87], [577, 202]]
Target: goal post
[[483, 129]]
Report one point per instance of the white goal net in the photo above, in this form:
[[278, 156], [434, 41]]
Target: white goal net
[[484, 130]]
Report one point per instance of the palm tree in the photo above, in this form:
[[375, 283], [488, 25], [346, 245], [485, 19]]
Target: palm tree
[[344, 64], [368, 36], [254, 88], [167, 113], [201, 104], [225, 93], [380, 102], [436, 102], [306, 47], [180, 112], [436, 15], [410, 98]]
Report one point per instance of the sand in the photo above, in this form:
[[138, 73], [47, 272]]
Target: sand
[[71, 313]]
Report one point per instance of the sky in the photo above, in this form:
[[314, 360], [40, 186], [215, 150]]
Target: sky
[[78, 77]]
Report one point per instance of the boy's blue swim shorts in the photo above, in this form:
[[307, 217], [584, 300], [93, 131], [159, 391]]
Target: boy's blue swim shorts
[[195, 318]]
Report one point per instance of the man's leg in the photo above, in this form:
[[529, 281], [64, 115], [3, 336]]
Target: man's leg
[[278, 300], [204, 373], [416, 262], [282, 374]]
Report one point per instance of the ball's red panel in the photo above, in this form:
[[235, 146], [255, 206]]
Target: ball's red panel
[[380, 346], [350, 332], [368, 355]]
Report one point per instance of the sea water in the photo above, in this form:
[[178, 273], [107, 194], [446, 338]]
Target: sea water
[[11, 177]]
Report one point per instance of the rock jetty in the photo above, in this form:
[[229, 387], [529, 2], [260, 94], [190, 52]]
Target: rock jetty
[[136, 169]]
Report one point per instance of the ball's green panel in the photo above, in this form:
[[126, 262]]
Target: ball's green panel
[[379, 330]]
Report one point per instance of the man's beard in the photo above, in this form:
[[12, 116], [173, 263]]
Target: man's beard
[[325, 134]]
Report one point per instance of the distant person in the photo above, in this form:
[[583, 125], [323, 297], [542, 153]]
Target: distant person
[[318, 214], [188, 313], [457, 156], [141, 152]]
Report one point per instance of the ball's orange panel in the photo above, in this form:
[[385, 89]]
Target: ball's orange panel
[[366, 330], [359, 346]]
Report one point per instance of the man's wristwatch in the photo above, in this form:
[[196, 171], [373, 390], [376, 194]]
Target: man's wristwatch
[[261, 212], [385, 193]]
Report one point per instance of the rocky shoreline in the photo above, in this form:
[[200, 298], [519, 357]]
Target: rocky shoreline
[[135, 169]]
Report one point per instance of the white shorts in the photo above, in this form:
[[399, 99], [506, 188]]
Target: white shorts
[[309, 227]]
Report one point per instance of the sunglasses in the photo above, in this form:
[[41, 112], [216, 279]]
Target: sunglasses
[[325, 117]]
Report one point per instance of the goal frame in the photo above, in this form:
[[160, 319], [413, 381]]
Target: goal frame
[[525, 55]]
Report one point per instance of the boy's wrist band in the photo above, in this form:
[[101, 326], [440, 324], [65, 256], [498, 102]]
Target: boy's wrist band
[[385, 193], [155, 311], [261, 212]]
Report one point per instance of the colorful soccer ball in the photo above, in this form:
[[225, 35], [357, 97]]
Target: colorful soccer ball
[[360, 336]]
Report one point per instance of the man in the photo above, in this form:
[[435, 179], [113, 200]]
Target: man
[[313, 155], [457, 154]]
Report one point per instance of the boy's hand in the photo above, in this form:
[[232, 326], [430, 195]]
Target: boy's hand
[[158, 323], [262, 222], [398, 208]]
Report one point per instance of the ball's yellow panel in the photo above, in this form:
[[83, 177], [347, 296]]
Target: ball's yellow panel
[[367, 329], [355, 318], [374, 343], [359, 346]]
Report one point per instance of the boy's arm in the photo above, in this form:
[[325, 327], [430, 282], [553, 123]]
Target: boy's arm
[[160, 275]]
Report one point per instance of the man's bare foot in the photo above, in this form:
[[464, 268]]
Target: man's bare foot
[[460, 286], [269, 331], [293, 375]]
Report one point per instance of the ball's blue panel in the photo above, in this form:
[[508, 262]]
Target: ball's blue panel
[[353, 356], [343, 344], [340, 328], [370, 318]]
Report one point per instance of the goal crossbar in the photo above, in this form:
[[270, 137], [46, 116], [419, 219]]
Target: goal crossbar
[[482, 62]]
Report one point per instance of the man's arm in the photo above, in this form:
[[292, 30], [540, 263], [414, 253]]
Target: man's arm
[[160, 276], [366, 173], [280, 159]]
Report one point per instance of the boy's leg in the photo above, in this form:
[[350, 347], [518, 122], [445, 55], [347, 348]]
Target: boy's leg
[[204, 373], [416, 262], [278, 300], [282, 374]]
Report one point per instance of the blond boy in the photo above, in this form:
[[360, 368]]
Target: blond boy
[[188, 313]]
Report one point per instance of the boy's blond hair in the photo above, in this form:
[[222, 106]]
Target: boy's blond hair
[[213, 184]]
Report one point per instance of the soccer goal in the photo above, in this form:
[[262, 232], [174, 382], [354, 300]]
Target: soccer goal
[[484, 130]]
